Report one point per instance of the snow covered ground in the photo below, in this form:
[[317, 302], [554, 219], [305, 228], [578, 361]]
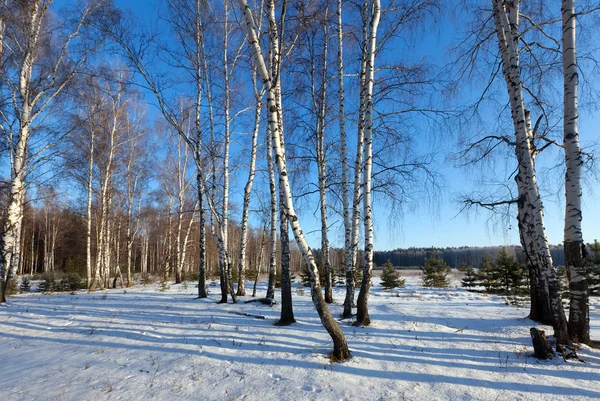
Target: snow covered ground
[[143, 344]]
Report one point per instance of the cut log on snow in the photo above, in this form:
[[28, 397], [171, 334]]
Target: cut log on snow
[[264, 301], [248, 314], [541, 348]]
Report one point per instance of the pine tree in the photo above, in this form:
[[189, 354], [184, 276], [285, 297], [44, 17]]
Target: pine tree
[[435, 272], [470, 280], [489, 275], [510, 272], [562, 282], [340, 275], [390, 278], [25, 285], [463, 267], [305, 276], [593, 268]]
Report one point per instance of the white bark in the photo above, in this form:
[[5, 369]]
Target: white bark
[[358, 168], [348, 262], [362, 303], [88, 258], [273, 208], [574, 258], [241, 290]]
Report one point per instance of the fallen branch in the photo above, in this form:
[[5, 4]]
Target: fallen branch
[[248, 314], [264, 301]]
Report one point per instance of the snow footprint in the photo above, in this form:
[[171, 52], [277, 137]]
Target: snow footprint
[[311, 389], [276, 377]]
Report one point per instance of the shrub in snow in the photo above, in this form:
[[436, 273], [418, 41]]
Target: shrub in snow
[[12, 286], [25, 285], [390, 278], [435, 272]]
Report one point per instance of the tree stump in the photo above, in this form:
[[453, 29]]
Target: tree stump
[[541, 348]]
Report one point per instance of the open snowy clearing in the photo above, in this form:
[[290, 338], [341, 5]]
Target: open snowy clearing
[[144, 344]]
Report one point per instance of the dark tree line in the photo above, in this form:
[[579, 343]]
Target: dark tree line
[[453, 257]]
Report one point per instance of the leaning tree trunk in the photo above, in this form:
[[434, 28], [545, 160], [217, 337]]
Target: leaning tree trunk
[[340, 351], [506, 16], [579, 319], [362, 310]]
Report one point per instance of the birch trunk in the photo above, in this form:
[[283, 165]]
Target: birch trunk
[[352, 251], [579, 319], [506, 17], [14, 214], [241, 290], [362, 312], [88, 259], [199, 62], [340, 351], [344, 161], [273, 236], [319, 104], [287, 312]]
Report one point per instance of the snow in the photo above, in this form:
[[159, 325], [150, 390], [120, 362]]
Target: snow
[[143, 344]]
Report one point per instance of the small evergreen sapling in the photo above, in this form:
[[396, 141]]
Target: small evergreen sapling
[[593, 268], [470, 279], [509, 271], [390, 278], [25, 285], [462, 267], [489, 274], [435, 272]]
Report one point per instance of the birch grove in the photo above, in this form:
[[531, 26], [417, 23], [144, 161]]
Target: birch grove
[[186, 146]]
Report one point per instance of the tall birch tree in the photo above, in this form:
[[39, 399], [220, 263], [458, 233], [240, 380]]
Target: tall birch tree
[[579, 324], [362, 313], [506, 17], [340, 351], [42, 56]]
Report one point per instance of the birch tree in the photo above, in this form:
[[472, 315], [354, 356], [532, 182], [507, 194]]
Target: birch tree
[[241, 289], [579, 325], [506, 18], [42, 56], [362, 314], [348, 254], [340, 351]]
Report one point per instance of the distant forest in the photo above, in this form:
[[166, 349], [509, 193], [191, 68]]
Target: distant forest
[[412, 257]]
